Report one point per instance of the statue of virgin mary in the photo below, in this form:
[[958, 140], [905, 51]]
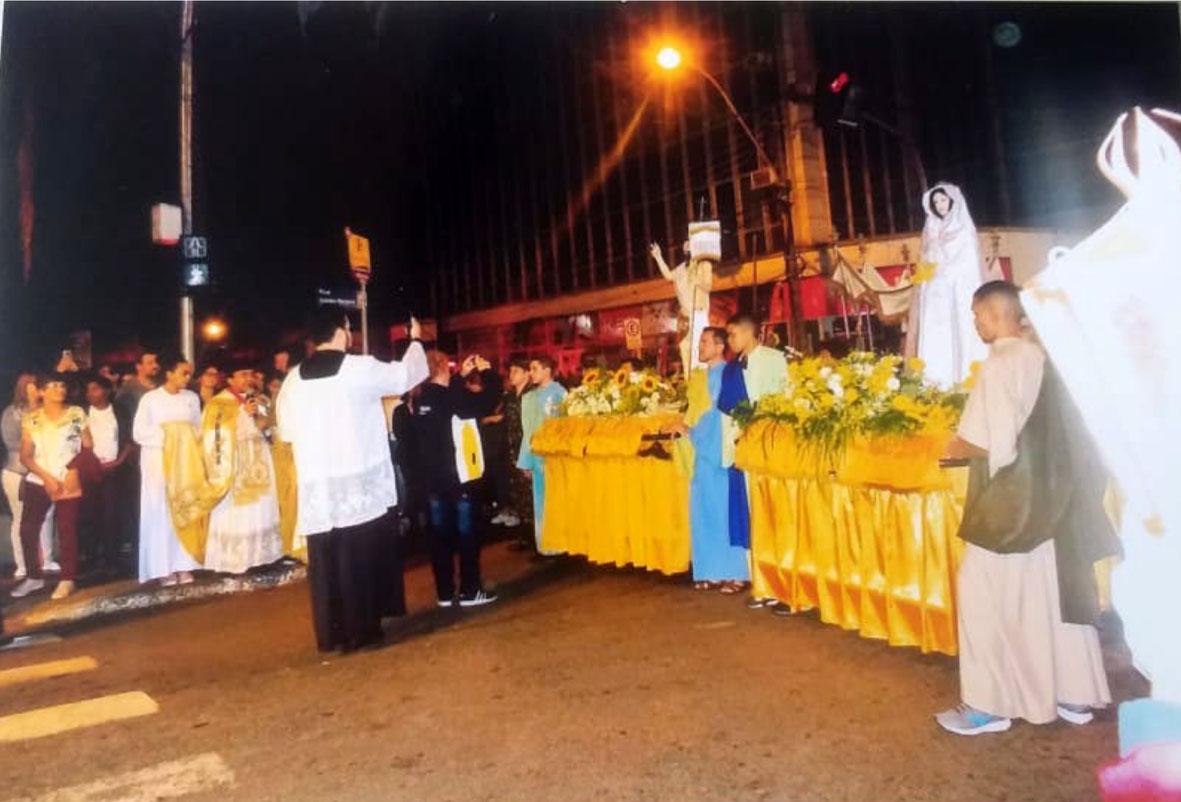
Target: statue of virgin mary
[[943, 331]]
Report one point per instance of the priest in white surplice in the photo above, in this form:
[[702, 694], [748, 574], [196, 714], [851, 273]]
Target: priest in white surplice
[[161, 553], [1033, 527], [330, 410]]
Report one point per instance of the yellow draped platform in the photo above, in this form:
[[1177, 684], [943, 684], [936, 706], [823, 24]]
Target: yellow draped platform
[[607, 503], [873, 550]]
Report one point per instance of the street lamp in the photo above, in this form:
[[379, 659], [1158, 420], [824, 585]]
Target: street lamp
[[669, 58], [214, 329]]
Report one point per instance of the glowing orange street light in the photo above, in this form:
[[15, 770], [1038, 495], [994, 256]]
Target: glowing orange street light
[[669, 58], [214, 329]]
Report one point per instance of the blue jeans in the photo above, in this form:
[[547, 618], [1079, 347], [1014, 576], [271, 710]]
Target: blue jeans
[[453, 529]]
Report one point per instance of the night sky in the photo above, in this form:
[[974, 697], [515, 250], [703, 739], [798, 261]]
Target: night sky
[[306, 125]]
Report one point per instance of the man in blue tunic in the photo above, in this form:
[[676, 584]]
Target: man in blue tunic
[[715, 558], [543, 401]]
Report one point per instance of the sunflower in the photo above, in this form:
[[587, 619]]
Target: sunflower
[[592, 376], [650, 384], [622, 375]]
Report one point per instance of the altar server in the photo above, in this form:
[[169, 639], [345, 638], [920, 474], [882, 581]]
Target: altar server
[[330, 410], [161, 553], [1034, 526]]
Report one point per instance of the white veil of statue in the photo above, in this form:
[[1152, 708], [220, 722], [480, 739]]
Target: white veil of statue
[[945, 334], [1106, 311]]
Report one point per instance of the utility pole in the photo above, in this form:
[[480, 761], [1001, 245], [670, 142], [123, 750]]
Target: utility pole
[[186, 164]]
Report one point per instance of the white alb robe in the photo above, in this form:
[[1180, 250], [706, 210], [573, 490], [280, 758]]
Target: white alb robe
[[160, 552], [1018, 659]]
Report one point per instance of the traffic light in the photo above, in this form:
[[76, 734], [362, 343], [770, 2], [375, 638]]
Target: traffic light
[[837, 100]]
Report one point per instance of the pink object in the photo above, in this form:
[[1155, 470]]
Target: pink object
[[1151, 773]]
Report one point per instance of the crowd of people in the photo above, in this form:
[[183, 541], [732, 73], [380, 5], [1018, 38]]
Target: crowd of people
[[95, 474], [111, 477]]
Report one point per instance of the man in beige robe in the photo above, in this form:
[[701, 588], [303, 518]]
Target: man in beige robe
[[1018, 658]]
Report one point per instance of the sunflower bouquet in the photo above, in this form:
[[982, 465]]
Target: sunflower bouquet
[[623, 392]]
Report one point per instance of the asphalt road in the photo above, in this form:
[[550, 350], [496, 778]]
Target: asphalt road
[[582, 684]]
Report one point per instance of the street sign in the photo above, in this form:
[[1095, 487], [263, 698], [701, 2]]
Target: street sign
[[359, 262], [166, 224], [633, 333], [194, 248], [196, 274]]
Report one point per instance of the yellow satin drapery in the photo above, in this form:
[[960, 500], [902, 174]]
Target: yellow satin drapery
[[604, 501], [287, 494], [870, 558]]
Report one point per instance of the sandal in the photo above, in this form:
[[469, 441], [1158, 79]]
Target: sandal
[[730, 588], [703, 585]]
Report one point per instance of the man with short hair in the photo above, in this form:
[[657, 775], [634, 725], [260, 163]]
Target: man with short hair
[[450, 504], [542, 402], [755, 371], [515, 497], [330, 410], [147, 371], [716, 560], [1034, 527], [126, 403], [101, 503], [244, 526]]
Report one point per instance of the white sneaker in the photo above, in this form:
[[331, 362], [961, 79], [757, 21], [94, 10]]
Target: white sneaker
[[63, 589], [478, 599], [965, 720], [498, 519], [1075, 714], [27, 587], [52, 567], [511, 520]]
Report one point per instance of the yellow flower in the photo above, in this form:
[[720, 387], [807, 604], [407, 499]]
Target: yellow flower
[[622, 375], [650, 385], [973, 375], [591, 377], [923, 272], [915, 365], [851, 395]]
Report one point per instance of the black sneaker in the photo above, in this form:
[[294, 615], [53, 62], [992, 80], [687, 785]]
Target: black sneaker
[[759, 602], [478, 599], [780, 609]]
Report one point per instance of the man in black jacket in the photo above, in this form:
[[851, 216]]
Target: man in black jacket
[[449, 501]]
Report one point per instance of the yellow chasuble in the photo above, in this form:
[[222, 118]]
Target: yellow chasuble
[[199, 473]]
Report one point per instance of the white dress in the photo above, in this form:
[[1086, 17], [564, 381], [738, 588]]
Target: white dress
[[946, 338], [160, 552], [242, 536]]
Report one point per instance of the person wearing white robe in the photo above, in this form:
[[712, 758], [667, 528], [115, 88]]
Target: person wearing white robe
[[161, 554], [1018, 659], [942, 332], [329, 408], [242, 536]]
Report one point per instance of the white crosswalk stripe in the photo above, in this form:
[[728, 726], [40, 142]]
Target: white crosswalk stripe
[[169, 780]]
